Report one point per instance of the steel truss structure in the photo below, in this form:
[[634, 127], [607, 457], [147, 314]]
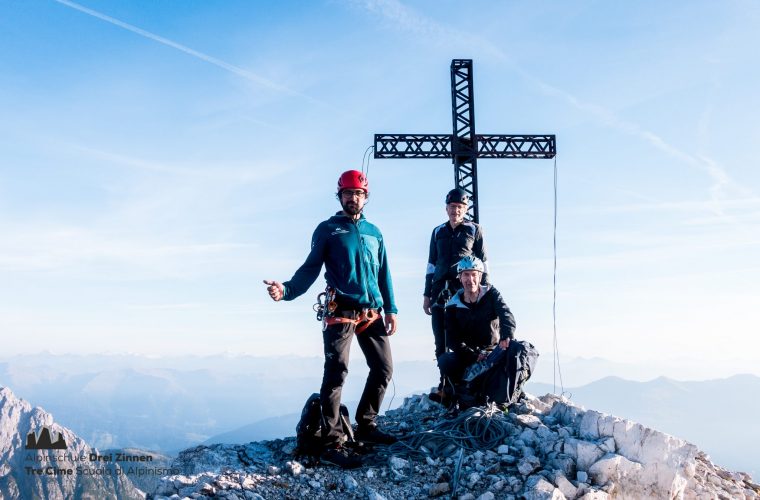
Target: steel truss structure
[[463, 146]]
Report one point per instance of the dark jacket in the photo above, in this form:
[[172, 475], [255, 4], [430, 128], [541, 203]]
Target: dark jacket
[[471, 328], [447, 247], [356, 265]]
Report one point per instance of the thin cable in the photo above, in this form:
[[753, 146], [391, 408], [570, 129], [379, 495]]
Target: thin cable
[[557, 367], [393, 395], [366, 157]]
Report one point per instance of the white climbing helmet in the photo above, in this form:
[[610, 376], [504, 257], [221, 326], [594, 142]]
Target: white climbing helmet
[[470, 263]]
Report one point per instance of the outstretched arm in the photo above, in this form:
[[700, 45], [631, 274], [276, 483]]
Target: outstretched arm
[[307, 274]]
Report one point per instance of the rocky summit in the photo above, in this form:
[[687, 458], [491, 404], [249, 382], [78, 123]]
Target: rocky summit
[[40, 459], [544, 448]]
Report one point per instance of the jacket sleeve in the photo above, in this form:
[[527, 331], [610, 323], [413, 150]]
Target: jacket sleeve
[[479, 251], [385, 282], [507, 323], [309, 270], [430, 271]]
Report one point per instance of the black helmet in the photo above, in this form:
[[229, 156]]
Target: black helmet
[[457, 195]]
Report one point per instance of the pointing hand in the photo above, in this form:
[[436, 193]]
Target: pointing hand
[[276, 289]]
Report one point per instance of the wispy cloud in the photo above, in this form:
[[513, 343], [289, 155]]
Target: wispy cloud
[[722, 183], [77, 249], [407, 19], [237, 174], [248, 75]]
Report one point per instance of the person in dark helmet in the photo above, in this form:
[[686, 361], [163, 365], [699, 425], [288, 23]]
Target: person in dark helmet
[[359, 289], [449, 243], [477, 321]]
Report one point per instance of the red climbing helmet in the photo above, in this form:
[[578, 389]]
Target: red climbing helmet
[[353, 179]]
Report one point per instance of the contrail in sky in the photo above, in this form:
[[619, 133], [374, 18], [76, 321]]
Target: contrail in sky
[[187, 50]]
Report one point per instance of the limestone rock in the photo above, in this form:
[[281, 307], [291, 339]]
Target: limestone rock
[[439, 489], [538, 488], [527, 465], [565, 486], [528, 420]]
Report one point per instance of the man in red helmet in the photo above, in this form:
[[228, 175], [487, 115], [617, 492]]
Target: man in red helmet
[[449, 243], [359, 288]]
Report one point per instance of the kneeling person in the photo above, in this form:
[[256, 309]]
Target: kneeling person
[[477, 321]]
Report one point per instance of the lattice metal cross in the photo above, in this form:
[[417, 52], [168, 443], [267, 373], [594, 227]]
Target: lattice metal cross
[[463, 146]]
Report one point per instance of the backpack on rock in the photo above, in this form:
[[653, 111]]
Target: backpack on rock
[[309, 429]]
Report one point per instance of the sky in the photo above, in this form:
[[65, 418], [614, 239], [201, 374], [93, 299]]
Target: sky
[[160, 159]]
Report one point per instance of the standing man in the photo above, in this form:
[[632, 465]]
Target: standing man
[[449, 243], [359, 288]]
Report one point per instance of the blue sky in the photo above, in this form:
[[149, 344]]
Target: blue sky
[[159, 159]]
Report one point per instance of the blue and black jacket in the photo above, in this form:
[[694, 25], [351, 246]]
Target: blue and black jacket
[[356, 264], [447, 247], [471, 328]]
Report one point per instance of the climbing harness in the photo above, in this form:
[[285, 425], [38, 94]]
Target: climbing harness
[[326, 307], [363, 319]]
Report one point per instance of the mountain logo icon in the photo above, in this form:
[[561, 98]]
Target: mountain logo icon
[[44, 441]]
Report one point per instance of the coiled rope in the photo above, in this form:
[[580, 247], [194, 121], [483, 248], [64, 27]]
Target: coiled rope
[[477, 428]]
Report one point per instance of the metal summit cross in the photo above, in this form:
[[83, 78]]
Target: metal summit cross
[[463, 146]]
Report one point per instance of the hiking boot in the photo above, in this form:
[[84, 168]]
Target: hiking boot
[[374, 435], [340, 456], [437, 396], [443, 397]]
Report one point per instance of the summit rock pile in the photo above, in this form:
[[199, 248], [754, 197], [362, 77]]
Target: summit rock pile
[[545, 448]]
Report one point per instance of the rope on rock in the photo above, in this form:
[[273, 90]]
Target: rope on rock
[[477, 428]]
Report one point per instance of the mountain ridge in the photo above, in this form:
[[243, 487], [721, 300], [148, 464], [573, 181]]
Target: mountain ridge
[[60, 472]]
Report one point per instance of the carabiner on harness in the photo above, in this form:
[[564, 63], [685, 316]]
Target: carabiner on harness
[[319, 307], [326, 304]]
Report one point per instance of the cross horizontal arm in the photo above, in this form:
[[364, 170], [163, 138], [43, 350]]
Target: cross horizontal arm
[[489, 146], [516, 146], [412, 145]]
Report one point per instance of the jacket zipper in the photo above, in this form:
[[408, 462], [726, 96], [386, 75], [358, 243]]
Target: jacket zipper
[[362, 264]]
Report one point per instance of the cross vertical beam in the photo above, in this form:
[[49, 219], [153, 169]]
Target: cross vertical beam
[[464, 145]]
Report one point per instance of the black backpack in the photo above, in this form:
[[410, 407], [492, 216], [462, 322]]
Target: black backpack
[[309, 428], [503, 383]]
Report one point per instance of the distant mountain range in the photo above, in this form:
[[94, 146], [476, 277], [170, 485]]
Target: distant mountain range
[[168, 404], [556, 450]]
